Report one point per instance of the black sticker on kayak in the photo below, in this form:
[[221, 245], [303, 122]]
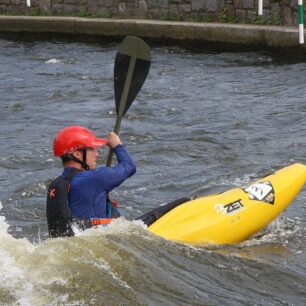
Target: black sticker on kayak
[[262, 191], [229, 208]]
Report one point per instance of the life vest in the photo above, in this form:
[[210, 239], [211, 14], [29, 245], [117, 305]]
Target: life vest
[[59, 217]]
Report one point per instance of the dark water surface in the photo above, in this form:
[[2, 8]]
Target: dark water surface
[[203, 123]]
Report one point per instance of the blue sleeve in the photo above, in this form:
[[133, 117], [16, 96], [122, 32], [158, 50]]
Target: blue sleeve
[[107, 178]]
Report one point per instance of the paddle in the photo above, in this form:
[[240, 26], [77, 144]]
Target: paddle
[[132, 64]]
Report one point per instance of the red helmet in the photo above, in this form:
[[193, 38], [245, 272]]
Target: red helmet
[[73, 138]]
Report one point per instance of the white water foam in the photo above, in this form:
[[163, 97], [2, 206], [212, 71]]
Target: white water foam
[[13, 278], [279, 231], [53, 61], [117, 226], [31, 274]]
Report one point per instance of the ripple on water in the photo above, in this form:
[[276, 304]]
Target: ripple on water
[[203, 123]]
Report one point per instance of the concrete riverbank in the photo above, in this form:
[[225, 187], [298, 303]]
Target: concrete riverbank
[[222, 36]]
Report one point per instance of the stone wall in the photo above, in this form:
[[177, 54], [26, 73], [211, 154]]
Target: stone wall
[[282, 12]]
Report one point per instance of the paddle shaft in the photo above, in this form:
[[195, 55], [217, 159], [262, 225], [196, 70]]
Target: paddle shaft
[[122, 105]]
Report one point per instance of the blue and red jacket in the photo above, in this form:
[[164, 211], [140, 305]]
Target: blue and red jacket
[[88, 195]]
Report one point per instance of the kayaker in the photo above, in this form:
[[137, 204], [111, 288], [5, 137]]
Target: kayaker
[[82, 184]]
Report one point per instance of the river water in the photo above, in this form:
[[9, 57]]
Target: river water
[[203, 122]]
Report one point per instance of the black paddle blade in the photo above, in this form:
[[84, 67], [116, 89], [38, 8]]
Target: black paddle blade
[[131, 68]]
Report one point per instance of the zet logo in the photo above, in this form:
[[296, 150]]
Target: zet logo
[[230, 208], [262, 191]]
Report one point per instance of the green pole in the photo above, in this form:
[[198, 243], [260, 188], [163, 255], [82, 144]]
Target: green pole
[[301, 21]]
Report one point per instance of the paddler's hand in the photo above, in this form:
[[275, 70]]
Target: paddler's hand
[[114, 140]]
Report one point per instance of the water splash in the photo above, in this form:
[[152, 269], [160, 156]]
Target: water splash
[[53, 61], [53, 271], [14, 284]]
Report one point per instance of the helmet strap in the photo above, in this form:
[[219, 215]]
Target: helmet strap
[[82, 162]]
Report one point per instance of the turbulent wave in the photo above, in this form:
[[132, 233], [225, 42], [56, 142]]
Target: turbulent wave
[[53, 61], [14, 287], [201, 124], [125, 264]]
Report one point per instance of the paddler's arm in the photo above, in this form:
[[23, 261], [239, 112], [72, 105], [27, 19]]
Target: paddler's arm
[[122, 154], [125, 161], [111, 177]]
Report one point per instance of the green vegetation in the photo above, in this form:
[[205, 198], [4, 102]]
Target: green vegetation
[[167, 16], [83, 12], [38, 12], [259, 20], [224, 17]]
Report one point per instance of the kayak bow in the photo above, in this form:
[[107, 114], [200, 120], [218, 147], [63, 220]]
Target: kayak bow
[[235, 215]]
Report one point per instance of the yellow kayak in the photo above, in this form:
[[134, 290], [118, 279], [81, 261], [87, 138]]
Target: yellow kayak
[[232, 216]]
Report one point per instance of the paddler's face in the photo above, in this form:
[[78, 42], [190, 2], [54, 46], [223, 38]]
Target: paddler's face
[[92, 156]]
